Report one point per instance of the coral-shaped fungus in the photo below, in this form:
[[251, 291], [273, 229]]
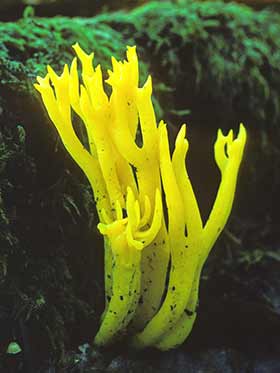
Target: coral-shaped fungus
[[129, 182]]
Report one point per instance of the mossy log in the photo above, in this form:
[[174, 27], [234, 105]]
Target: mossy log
[[214, 65]]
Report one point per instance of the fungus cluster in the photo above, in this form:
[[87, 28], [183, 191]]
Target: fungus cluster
[[131, 183]]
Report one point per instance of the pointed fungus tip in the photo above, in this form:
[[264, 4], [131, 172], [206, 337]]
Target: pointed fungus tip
[[75, 45]]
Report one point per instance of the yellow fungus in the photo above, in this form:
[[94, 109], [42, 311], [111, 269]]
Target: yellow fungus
[[129, 182]]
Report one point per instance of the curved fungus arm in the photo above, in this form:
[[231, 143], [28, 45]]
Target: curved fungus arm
[[58, 107], [228, 160], [228, 156], [184, 256]]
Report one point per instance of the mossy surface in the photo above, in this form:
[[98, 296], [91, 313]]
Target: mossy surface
[[213, 65], [47, 213], [225, 53]]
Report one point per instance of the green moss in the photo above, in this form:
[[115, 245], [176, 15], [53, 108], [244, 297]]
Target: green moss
[[228, 53], [36, 42], [198, 50]]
